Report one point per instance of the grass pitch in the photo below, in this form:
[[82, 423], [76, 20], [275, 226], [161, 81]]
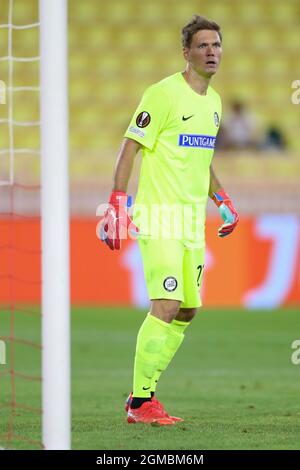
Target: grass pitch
[[232, 381]]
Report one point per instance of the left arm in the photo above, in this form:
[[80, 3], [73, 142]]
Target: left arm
[[215, 184], [224, 204]]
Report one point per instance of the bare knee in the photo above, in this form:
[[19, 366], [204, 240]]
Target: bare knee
[[186, 314], [165, 309]]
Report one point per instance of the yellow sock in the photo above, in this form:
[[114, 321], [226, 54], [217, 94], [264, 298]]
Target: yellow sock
[[150, 342], [172, 344]]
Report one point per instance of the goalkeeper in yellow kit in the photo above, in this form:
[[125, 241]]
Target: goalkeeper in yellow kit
[[175, 125]]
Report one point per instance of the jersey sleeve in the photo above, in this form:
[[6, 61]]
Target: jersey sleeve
[[150, 117], [220, 112]]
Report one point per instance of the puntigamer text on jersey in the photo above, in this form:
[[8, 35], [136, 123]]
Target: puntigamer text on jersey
[[203, 141]]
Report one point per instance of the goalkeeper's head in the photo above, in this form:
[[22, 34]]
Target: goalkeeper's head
[[202, 45]]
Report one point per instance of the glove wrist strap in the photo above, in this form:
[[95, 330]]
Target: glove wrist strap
[[118, 198], [220, 196]]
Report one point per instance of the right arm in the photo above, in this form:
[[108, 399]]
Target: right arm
[[116, 218], [124, 164]]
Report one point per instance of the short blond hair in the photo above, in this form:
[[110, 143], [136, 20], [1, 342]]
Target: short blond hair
[[198, 23]]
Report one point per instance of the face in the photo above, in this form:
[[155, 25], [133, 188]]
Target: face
[[204, 53]]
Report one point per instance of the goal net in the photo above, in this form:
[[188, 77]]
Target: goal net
[[34, 222]]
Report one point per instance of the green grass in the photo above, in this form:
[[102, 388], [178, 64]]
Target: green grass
[[232, 381]]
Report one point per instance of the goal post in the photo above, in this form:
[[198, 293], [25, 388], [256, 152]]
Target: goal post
[[55, 225]]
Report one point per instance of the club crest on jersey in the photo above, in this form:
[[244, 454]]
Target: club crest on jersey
[[170, 283], [143, 119], [217, 119]]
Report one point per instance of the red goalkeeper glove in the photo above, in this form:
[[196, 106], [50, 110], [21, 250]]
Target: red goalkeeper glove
[[227, 212], [116, 223]]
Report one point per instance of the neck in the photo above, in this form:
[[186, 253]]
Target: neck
[[197, 82]]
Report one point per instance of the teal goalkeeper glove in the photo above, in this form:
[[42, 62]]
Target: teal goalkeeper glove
[[227, 212]]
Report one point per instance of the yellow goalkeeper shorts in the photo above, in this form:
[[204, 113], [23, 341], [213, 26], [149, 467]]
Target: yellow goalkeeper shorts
[[172, 271]]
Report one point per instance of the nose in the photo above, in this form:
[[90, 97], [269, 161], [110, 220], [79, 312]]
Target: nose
[[210, 50]]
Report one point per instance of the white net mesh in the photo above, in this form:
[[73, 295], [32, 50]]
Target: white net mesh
[[19, 206], [14, 90]]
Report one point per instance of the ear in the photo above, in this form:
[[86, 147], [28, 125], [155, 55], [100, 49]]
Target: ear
[[186, 54]]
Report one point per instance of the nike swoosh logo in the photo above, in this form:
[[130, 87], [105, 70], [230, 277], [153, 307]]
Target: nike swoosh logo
[[146, 388], [186, 118]]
